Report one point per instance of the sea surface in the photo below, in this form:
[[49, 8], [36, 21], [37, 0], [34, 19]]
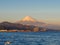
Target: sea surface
[[30, 38]]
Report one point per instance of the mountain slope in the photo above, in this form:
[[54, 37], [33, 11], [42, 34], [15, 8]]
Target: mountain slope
[[31, 21], [29, 18]]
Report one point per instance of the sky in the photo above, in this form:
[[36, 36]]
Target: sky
[[14, 10]]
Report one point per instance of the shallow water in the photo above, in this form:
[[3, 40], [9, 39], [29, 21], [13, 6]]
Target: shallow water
[[30, 38]]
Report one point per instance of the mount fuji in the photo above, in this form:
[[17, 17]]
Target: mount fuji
[[28, 20]]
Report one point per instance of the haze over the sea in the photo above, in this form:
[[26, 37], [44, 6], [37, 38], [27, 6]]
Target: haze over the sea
[[13, 10]]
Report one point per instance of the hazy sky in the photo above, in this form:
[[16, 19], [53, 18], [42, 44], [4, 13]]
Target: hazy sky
[[13, 10]]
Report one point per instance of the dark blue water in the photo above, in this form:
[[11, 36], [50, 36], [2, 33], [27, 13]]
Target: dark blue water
[[30, 38]]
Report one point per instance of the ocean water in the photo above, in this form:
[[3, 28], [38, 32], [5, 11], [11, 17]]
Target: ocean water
[[30, 38]]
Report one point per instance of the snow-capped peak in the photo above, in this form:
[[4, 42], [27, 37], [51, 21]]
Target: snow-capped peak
[[28, 18]]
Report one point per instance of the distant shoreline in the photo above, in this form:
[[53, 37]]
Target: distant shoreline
[[28, 31]]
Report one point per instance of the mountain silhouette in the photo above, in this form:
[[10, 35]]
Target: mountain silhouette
[[28, 20]]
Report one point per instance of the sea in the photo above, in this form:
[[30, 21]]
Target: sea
[[30, 38]]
